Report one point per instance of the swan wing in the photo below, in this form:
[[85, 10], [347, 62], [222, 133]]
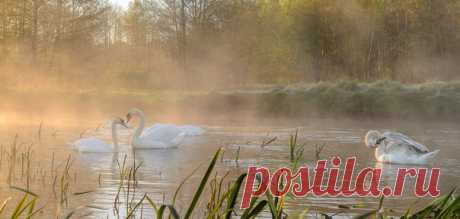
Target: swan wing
[[155, 127], [191, 130], [166, 134], [91, 144], [402, 140]]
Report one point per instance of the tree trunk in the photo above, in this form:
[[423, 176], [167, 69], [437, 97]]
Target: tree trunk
[[34, 37], [183, 38]]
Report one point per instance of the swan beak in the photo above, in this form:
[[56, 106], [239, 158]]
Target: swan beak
[[124, 124], [380, 140]]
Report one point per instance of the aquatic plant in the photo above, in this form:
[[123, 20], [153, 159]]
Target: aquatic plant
[[447, 206], [219, 201], [295, 150]]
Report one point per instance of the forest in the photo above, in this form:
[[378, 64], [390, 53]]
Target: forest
[[209, 44]]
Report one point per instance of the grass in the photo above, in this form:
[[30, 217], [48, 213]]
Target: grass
[[215, 197], [221, 200], [24, 172], [295, 150], [351, 98]]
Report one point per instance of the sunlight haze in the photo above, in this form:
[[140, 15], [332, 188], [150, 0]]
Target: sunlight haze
[[194, 108], [123, 3]]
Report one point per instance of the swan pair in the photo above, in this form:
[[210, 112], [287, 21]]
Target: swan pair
[[394, 147], [159, 136], [96, 145]]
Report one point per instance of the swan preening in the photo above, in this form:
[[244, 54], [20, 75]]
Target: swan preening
[[394, 147], [159, 136], [96, 145]]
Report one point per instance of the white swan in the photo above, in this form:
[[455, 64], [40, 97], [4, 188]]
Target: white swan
[[189, 130], [96, 145], [159, 136], [394, 147]]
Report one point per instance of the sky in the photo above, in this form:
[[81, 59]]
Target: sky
[[123, 3]]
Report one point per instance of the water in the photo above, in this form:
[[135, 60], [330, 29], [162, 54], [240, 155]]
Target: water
[[162, 171]]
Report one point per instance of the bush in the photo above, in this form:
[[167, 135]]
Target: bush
[[381, 98]]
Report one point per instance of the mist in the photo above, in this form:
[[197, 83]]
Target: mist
[[98, 57]]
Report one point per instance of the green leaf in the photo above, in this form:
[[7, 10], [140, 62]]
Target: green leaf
[[233, 196], [202, 185], [3, 206], [256, 210], [17, 210]]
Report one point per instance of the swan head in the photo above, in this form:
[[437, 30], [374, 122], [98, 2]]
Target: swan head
[[373, 139], [132, 112], [119, 121]]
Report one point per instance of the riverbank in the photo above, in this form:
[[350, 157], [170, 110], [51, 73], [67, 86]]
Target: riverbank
[[383, 99], [346, 98]]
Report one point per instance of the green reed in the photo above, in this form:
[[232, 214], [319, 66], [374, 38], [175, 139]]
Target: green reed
[[220, 200], [24, 172]]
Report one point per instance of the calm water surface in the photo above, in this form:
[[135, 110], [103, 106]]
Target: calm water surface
[[162, 171]]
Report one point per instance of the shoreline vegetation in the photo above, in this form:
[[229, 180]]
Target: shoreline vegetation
[[381, 99], [349, 98], [221, 200]]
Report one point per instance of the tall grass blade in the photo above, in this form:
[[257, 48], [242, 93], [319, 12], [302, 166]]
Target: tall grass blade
[[303, 214], [31, 208], [173, 212], [202, 185], [365, 215], [133, 210], [24, 190], [255, 211], [234, 195], [154, 206], [3, 206], [19, 207], [82, 193], [176, 193]]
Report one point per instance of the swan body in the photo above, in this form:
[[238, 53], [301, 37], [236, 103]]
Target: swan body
[[394, 147], [159, 136], [92, 145], [188, 130], [96, 145]]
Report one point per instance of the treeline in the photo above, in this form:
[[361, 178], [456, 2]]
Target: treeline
[[215, 43]]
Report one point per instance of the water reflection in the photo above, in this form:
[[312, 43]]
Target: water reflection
[[163, 170]]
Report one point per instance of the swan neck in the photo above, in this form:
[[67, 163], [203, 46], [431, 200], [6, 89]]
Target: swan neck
[[114, 136], [139, 129]]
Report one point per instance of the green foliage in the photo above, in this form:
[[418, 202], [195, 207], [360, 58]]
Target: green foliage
[[25, 208], [202, 185], [295, 151], [154, 43], [447, 206], [381, 98], [221, 202]]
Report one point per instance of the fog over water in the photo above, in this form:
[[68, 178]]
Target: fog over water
[[161, 171], [245, 71]]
